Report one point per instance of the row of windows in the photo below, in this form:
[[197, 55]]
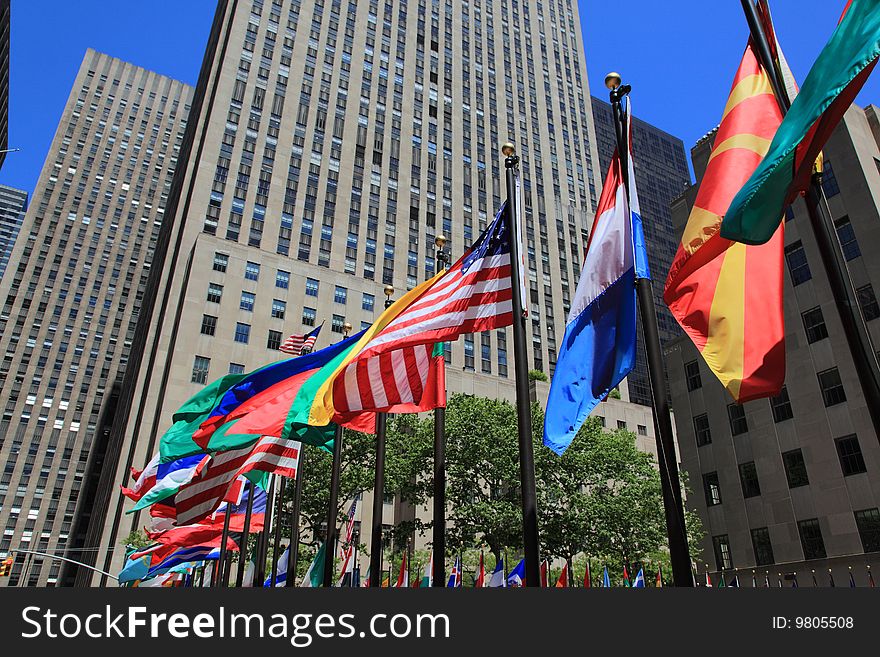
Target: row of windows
[[810, 534], [849, 453]]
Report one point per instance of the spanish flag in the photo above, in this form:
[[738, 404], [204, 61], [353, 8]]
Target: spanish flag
[[727, 296]]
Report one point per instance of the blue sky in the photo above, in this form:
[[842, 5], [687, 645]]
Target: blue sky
[[679, 56]]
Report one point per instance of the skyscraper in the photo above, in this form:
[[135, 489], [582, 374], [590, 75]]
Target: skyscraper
[[661, 175], [13, 203], [335, 141], [788, 485], [72, 293]]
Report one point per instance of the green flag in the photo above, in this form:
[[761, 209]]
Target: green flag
[[315, 574], [838, 74]]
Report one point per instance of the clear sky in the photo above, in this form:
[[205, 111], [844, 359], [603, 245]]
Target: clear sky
[[679, 55]]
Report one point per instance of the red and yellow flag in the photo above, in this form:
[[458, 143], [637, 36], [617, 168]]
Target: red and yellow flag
[[728, 296]]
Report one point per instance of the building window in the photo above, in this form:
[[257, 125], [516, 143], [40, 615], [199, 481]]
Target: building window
[[692, 374], [247, 301], [850, 453], [311, 287], [723, 560], [340, 295], [736, 413], [829, 180], [868, 302], [337, 323], [811, 539], [621, 424], [200, 369], [795, 468], [847, 237], [308, 317], [236, 368], [242, 332], [748, 477], [252, 271], [781, 406], [643, 430], [701, 429], [282, 279], [832, 387], [221, 262], [368, 302], [279, 308], [814, 325], [274, 340], [209, 324], [763, 547], [712, 488], [601, 420], [868, 522], [798, 266], [215, 292]]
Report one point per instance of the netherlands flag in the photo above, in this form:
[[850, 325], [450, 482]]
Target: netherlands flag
[[599, 346]]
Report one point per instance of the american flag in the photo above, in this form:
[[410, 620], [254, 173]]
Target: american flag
[[394, 367], [349, 529], [202, 496], [296, 343]]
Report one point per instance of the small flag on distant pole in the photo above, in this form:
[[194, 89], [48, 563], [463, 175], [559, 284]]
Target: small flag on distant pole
[[562, 582], [480, 581], [639, 582], [429, 570], [296, 344], [545, 579], [314, 576], [852, 580], [587, 576], [606, 580], [403, 575], [831, 578], [708, 579], [497, 580], [659, 582], [517, 576], [455, 576], [870, 578], [626, 581]]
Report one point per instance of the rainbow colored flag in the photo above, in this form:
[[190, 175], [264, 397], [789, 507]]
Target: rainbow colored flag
[[716, 288]]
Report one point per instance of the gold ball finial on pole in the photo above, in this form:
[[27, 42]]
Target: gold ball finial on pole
[[612, 80], [389, 290], [440, 241], [508, 149], [346, 329]]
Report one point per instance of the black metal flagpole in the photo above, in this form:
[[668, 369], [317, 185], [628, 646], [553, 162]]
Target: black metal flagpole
[[263, 545], [335, 471], [438, 572], [242, 555], [293, 558], [379, 486], [276, 539], [521, 369], [217, 575], [666, 459], [843, 290]]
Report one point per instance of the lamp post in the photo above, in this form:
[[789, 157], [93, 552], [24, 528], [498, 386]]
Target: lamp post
[[335, 471], [379, 486]]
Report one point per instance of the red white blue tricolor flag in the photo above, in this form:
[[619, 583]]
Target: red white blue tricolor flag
[[599, 346]]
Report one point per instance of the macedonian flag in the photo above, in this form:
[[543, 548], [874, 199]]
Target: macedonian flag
[[727, 296]]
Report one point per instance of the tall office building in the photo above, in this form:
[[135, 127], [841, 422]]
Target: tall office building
[[662, 175], [13, 203], [332, 141], [789, 485], [72, 293], [4, 78]]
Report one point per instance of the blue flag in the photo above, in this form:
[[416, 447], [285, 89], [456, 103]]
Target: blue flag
[[606, 580], [639, 582], [517, 576], [599, 346]]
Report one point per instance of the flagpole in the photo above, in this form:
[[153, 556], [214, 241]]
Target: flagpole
[[521, 369], [335, 471], [277, 538], [379, 486], [243, 550], [217, 575], [843, 290], [263, 545], [293, 558], [666, 459], [438, 574]]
